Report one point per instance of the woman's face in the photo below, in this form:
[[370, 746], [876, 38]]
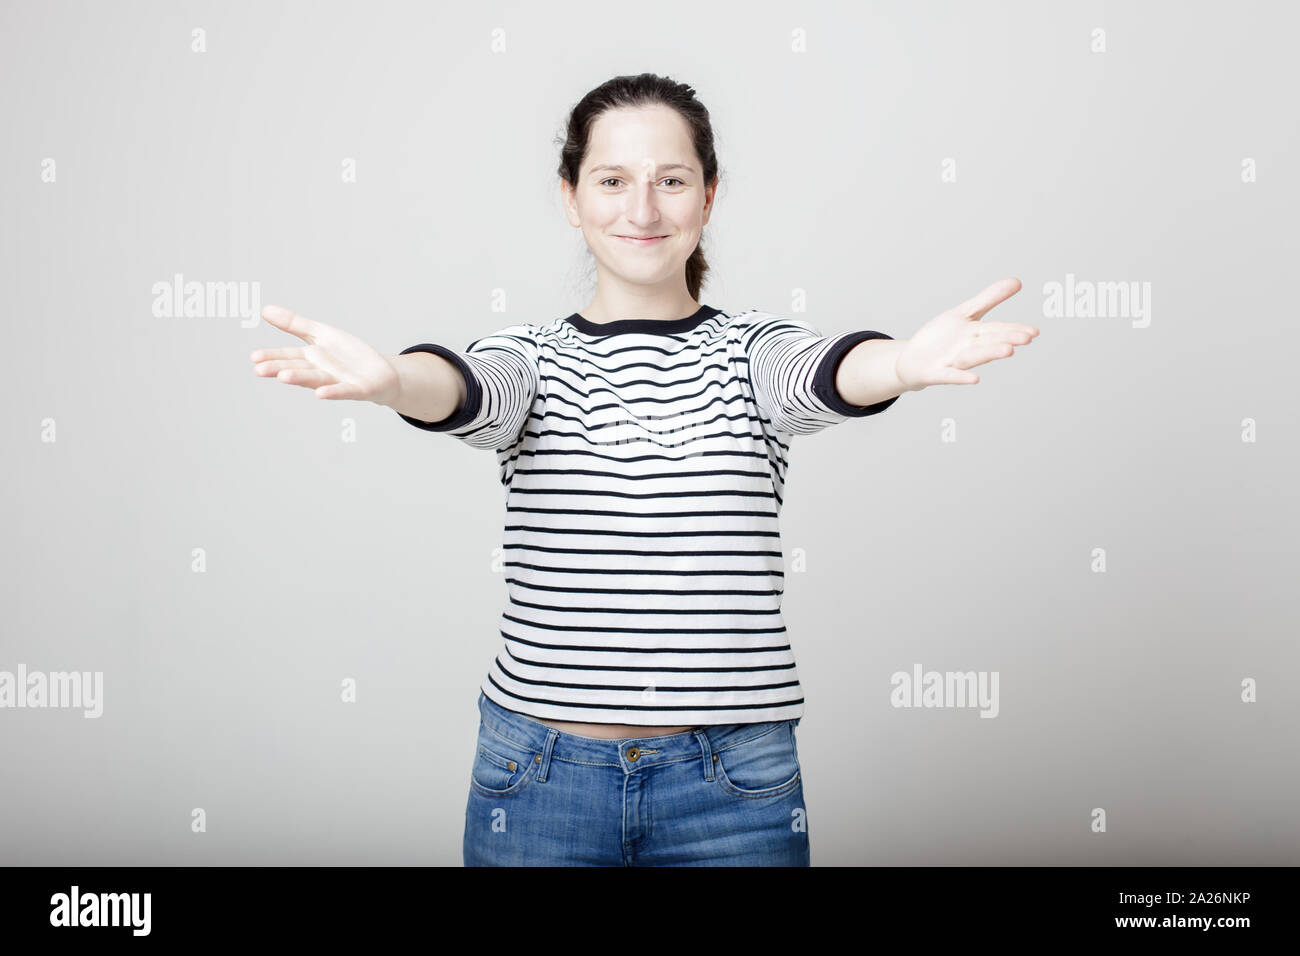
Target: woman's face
[[641, 199]]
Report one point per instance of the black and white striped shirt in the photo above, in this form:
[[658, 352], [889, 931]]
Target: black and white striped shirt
[[644, 464]]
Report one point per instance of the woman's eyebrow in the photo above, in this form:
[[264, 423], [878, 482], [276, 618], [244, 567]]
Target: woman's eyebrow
[[617, 168]]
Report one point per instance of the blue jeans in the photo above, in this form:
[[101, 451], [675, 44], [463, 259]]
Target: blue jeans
[[723, 795]]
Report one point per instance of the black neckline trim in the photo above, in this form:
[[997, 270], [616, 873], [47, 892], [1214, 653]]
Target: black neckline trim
[[651, 326]]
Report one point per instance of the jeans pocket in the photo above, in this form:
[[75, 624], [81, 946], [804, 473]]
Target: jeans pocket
[[501, 766], [763, 766]]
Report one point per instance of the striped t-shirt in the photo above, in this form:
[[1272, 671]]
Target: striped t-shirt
[[644, 465]]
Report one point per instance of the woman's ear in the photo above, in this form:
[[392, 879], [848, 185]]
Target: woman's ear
[[710, 192], [569, 199]]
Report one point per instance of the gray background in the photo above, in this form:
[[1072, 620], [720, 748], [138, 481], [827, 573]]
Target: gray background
[[373, 559]]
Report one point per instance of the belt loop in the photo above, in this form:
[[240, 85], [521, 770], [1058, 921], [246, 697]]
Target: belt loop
[[707, 751], [546, 754]]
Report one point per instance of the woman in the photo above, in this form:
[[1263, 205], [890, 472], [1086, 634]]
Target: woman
[[643, 704]]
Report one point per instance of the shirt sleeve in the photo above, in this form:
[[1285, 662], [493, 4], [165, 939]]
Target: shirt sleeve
[[792, 369], [501, 377]]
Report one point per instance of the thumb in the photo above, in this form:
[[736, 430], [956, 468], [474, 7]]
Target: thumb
[[340, 390]]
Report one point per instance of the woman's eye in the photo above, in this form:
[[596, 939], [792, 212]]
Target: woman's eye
[[670, 179]]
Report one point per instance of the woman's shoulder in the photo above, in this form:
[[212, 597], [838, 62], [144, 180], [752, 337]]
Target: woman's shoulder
[[754, 322], [731, 320]]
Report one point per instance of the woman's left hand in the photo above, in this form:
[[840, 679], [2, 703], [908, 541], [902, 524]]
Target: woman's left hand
[[945, 347]]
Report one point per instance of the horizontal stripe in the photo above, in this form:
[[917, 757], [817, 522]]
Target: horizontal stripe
[[652, 433]]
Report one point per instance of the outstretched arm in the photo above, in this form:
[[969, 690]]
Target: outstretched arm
[[337, 365], [940, 353]]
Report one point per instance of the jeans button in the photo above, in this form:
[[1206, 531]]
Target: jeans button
[[633, 753]]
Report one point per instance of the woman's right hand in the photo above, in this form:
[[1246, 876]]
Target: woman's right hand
[[333, 363]]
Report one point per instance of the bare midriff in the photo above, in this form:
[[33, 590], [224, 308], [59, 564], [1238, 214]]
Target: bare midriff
[[612, 731]]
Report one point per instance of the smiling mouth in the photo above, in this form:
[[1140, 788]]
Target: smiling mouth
[[642, 238]]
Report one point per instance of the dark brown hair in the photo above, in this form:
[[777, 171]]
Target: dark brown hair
[[645, 89]]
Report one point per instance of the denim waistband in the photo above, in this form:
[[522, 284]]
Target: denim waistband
[[627, 752]]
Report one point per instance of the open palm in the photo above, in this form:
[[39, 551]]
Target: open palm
[[333, 363], [941, 351]]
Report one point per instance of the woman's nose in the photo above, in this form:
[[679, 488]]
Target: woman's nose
[[643, 205]]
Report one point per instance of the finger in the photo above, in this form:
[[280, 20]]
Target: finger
[[261, 355], [341, 390], [290, 321], [273, 368], [984, 328], [999, 291], [308, 378], [979, 354], [983, 335]]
